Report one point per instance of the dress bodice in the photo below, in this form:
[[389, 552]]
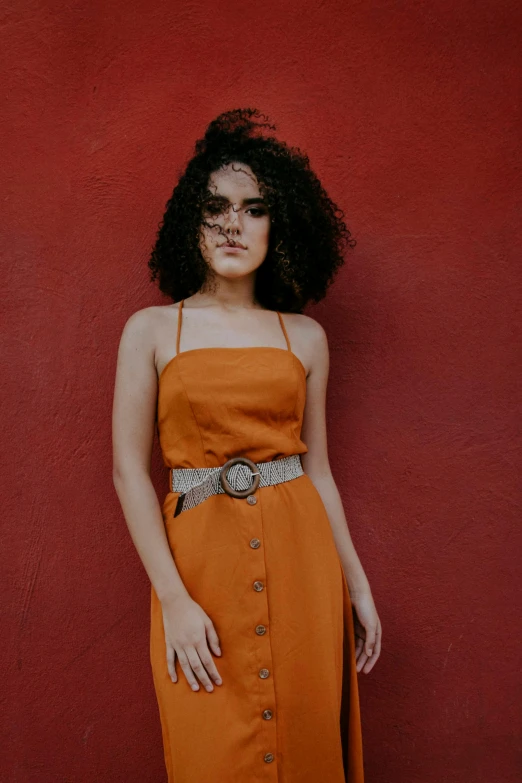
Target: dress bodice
[[216, 403]]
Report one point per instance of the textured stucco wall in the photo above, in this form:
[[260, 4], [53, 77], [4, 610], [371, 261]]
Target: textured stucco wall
[[410, 113]]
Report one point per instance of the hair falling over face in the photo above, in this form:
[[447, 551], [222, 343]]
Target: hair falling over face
[[307, 236]]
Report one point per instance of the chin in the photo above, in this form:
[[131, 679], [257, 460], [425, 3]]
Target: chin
[[233, 268]]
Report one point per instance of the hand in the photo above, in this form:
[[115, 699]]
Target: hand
[[368, 632], [187, 627]]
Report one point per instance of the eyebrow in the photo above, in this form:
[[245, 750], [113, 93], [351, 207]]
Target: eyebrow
[[246, 201]]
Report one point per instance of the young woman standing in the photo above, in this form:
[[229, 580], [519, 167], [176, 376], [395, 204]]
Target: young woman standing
[[261, 613]]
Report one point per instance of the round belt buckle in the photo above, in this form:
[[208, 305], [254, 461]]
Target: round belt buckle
[[239, 493]]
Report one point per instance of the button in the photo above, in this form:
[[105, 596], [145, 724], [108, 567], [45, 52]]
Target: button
[[255, 543], [269, 757], [267, 714], [263, 673], [260, 630], [258, 586], [252, 500]]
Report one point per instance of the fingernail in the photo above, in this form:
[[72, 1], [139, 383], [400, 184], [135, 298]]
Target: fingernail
[[219, 681], [195, 687], [370, 652], [218, 650]]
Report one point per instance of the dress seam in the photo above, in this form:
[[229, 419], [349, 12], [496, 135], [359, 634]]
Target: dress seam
[[297, 389], [193, 415]]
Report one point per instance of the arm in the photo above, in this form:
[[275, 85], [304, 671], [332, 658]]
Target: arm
[[316, 465], [134, 410], [187, 626]]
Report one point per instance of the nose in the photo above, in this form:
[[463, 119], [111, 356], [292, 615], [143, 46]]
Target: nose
[[232, 220]]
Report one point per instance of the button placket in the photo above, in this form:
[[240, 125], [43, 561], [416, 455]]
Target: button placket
[[263, 650]]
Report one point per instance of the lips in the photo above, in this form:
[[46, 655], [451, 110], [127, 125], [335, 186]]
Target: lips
[[234, 244]]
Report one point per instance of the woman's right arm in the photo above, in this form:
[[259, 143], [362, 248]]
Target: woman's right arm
[[133, 422]]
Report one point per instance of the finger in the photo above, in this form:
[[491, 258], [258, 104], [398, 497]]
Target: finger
[[185, 665], [359, 644], [362, 660], [208, 662], [171, 662], [370, 641], [370, 663], [378, 640], [376, 652], [212, 637], [198, 668]]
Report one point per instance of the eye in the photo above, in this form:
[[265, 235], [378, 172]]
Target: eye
[[257, 211], [212, 208]]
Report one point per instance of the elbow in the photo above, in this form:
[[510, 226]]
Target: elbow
[[122, 475], [117, 477]]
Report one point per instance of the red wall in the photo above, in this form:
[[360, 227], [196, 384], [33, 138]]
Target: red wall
[[410, 113]]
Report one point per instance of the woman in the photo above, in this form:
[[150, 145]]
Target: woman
[[254, 577]]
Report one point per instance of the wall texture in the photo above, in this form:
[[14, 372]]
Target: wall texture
[[410, 113]]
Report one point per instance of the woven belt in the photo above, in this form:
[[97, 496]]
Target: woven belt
[[239, 477]]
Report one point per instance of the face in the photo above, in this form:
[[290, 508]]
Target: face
[[235, 222]]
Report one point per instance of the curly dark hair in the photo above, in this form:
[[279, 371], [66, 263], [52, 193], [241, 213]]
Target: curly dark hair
[[307, 231]]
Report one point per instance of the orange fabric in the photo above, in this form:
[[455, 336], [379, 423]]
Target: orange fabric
[[214, 404]]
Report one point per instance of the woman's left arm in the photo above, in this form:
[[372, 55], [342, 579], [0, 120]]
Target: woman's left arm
[[316, 464]]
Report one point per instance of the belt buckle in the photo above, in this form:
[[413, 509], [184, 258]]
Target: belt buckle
[[239, 493]]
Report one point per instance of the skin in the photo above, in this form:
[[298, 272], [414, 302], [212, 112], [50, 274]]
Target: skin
[[223, 313]]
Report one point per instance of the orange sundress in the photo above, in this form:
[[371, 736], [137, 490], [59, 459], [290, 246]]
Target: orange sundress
[[288, 707]]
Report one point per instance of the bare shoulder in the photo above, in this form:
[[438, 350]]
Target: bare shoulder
[[306, 329], [141, 331], [308, 339], [143, 324]]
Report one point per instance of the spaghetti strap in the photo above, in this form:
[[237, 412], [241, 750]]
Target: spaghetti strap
[[180, 316], [284, 330]]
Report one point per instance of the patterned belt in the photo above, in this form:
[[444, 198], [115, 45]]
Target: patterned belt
[[239, 477]]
